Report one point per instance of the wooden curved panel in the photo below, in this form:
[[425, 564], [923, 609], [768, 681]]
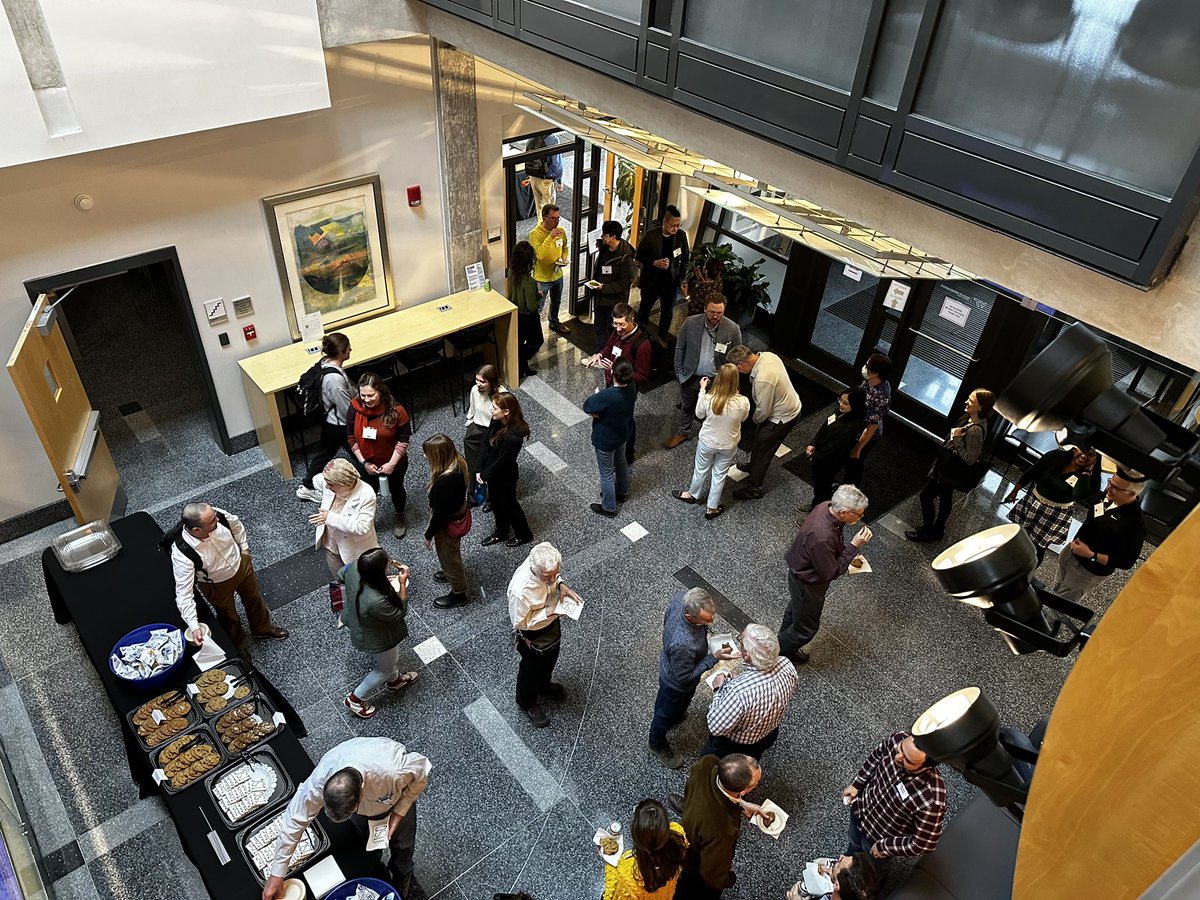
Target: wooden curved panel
[[1113, 802]]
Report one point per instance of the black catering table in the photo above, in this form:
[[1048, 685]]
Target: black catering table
[[137, 588]]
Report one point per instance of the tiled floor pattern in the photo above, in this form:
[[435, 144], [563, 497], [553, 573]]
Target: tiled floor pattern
[[509, 805]]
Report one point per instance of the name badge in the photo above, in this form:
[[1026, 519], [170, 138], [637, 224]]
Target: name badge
[[832, 418], [616, 352], [1073, 480], [722, 348], [369, 434], [677, 251], [902, 791], [558, 244], [1098, 509], [606, 270]]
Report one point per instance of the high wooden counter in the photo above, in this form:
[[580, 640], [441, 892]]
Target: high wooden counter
[[266, 375]]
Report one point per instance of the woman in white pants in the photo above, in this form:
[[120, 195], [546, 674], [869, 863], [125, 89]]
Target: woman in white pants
[[346, 520], [723, 412]]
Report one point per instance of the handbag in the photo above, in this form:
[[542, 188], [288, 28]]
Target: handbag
[[458, 528], [479, 495], [952, 470]]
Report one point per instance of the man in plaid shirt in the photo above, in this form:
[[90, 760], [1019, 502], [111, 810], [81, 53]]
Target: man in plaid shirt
[[898, 801], [746, 709]]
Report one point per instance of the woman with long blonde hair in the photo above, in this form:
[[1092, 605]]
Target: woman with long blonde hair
[[723, 413], [448, 481]]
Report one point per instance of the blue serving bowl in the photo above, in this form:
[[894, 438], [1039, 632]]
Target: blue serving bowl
[[140, 636], [347, 889]]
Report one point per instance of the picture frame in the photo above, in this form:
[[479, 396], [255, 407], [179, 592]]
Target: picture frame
[[331, 249]]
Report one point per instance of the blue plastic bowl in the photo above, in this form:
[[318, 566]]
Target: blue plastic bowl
[[342, 891], [140, 636]]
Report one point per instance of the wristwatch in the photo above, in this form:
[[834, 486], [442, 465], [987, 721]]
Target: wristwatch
[[1093, 559]]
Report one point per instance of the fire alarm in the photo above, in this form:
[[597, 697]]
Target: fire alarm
[[414, 195], [249, 332]]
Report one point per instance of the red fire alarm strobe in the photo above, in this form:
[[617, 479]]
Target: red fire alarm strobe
[[249, 332], [414, 195]]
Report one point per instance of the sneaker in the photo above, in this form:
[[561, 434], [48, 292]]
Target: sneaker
[[307, 493], [537, 716], [360, 708], [451, 600], [401, 681], [400, 529], [554, 691], [667, 756]]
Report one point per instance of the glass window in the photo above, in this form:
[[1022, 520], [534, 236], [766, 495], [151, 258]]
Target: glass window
[[771, 269], [1106, 86], [626, 9], [945, 342], [845, 309], [894, 50], [821, 42]]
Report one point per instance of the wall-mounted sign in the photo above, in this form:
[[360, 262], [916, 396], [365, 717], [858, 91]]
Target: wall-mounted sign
[[897, 296], [852, 273], [955, 312]]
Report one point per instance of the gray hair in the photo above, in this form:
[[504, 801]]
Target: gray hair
[[697, 599], [1137, 481], [763, 646], [738, 354], [544, 558], [193, 515], [341, 794], [846, 498]]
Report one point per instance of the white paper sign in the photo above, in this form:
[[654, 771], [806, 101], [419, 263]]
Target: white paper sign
[[1029, 302], [311, 328], [475, 276], [568, 607], [953, 311], [377, 836], [593, 236], [852, 273], [897, 296]]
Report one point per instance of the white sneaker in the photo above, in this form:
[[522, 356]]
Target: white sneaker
[[307, 493]]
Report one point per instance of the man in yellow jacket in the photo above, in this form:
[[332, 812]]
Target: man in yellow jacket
[[549, 242]]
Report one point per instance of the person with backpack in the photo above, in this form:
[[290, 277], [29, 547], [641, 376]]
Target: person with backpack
[[378, 430], [628, 341], [545, 174], [325, 391], [210, 552], [613, 271], [959, 465]]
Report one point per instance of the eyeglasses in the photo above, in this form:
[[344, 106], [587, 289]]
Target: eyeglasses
[[1120, 490]]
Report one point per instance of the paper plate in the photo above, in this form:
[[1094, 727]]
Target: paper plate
[[294, 889]]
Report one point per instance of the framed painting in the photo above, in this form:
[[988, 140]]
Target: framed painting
[[331, 251]]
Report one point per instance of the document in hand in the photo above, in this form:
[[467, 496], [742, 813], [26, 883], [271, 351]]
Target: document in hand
[[569, 608]]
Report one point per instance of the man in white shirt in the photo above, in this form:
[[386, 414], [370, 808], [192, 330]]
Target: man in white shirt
[[534, 593], [776, 411], [365, 780], [211, 553]]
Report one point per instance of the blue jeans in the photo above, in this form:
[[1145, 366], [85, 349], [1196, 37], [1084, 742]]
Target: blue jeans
[[670, 707], [614, 476], [859, 842], [709, 459], [554, 289]]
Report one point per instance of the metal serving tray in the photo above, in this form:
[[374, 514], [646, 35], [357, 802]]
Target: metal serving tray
[[87, 546]]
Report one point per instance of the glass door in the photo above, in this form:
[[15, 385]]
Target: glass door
[[586, 185]]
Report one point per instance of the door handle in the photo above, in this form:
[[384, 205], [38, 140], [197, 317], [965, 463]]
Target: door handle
[[966, 356], [83, 456]]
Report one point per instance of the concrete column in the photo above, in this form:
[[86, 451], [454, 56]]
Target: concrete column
[[458, 140]]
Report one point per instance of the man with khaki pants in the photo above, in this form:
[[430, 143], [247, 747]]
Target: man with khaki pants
[[209, 551]]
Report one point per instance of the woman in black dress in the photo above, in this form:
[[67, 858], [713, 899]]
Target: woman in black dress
[[498, 469], [831, 447]]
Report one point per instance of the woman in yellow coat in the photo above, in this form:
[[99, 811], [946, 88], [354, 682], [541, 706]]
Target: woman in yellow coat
[[648, 871]]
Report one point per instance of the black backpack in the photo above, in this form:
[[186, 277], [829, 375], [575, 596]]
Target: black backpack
[[309, 391], [655, 358], [174, 538], [536, 167]]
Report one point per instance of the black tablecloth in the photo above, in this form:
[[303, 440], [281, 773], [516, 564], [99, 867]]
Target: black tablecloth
[[137, 588]]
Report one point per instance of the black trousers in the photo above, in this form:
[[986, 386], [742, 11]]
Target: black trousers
[[767, 439], [663, 293], [937, 501], [602, 325], [824, 473], [535, 670], [723, 746], [507, 510], [401, 844], [855, 467], [529, 338], [395, 482], [802, 618], [333, 439]]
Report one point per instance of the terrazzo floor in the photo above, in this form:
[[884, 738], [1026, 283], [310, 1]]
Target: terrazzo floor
[[511, 807]]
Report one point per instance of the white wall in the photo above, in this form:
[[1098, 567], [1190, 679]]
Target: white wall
[[137, 70], [202, 193]]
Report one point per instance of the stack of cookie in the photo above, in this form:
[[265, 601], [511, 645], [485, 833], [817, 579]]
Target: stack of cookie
[[242, 727], [162, 718], [185, 760]]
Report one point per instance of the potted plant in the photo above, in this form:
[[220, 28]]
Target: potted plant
[[745, 287]]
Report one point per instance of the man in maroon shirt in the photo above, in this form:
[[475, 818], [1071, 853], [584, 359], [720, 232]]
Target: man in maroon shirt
[[897, 801], [631, 342], [819, 555]]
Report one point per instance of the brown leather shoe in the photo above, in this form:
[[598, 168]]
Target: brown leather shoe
[[675, 440], [273, 633]]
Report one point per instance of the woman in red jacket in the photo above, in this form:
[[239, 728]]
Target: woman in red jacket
[[378, 431]]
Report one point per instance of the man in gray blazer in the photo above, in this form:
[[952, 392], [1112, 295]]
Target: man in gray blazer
[[700, 349]]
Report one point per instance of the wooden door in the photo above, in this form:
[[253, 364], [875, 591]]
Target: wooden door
[[48, 384]]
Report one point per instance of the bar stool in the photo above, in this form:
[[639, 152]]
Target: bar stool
[[422, 360], [468, 343]]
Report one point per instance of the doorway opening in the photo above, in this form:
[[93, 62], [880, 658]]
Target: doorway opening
[[129, 327]]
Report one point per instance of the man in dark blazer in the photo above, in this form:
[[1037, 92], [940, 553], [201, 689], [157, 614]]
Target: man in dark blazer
[[700, 350]]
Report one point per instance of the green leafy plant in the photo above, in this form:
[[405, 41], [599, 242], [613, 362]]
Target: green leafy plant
[[744, 285]]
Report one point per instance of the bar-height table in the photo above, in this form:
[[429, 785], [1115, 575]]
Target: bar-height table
[[267, 375]]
